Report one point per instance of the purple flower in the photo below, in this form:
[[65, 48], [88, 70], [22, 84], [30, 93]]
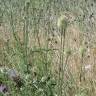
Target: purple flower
[[3, 88]]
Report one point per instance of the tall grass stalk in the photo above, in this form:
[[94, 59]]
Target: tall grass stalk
[[26, 34]]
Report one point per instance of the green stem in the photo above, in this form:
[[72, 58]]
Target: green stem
[[26, 35]]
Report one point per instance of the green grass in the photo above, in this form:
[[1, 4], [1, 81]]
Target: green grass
[[37, 39]]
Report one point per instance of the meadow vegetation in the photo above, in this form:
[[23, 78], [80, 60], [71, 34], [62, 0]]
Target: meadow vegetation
[[47, 48]]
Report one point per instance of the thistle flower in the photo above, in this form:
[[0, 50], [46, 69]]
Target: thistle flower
[[62, 22], [3, 88]]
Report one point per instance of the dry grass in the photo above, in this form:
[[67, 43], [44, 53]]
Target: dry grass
[[45, 52]]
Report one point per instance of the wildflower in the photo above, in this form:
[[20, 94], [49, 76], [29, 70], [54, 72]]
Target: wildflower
[[3, 88], [62, 22]]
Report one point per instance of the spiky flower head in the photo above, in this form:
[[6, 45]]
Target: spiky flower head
[[62, 22]]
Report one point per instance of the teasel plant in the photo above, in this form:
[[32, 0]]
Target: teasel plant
[[62, 25], [26, 34]]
